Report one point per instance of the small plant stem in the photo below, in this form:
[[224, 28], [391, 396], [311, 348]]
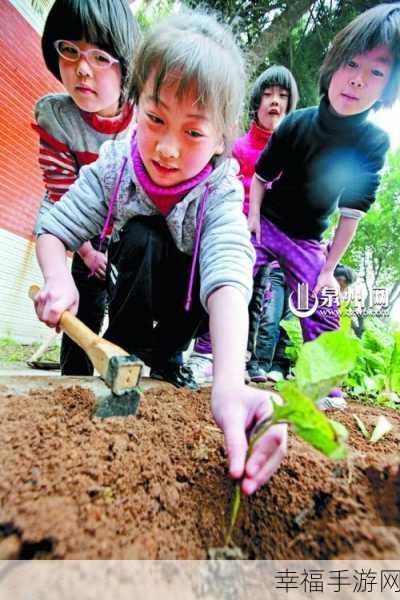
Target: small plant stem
[[256, 434], [235, 505]]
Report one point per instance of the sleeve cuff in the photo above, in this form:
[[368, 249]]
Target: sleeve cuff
[[351, 213], [260, 178]]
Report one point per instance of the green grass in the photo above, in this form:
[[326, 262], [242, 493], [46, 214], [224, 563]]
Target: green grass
[[12, 351]]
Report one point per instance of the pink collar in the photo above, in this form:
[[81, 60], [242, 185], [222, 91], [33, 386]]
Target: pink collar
[[164, 198]]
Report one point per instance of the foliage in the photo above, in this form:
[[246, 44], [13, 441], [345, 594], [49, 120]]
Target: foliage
[[296, 34], [379, 263], [382, 427], [307, 421], [324, 362], [42, 6], [150, 13], [376, 374], [12, 351], [293, 330], [321, 365]]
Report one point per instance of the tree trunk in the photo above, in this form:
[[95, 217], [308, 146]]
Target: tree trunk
[[278, 31]]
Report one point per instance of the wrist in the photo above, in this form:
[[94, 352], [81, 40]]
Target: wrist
[[84, 253], [86, 250], [57, 277], [223, 387], [328, 269]]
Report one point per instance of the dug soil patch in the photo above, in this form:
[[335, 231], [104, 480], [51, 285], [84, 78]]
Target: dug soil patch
[[155, 486]]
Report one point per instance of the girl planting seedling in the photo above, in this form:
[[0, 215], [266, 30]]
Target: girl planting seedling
[[175, 201]]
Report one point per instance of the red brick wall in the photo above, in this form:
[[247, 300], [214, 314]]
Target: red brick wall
[[23, 79]]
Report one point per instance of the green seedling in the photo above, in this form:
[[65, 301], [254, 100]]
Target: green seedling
[[361, 426], [307, 422], [376, 375], [382, 427], [321, 365]]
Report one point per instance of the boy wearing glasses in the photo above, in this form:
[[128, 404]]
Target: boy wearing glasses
[[90, 52]]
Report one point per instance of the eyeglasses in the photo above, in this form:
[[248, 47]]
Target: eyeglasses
[[98, 59]]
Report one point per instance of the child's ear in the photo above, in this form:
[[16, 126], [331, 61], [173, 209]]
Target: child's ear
[[220, 148]]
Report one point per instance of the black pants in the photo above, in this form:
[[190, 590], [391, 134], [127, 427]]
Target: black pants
[[92, 305], [147, 280], [256, 306]]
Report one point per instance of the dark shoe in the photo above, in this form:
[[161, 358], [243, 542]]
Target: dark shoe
[[257, 375], [178, 375]]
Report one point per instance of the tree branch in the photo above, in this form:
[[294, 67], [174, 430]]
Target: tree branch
[[278, 30]]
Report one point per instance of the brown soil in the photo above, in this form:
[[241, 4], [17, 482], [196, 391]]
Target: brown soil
[[155, 486]]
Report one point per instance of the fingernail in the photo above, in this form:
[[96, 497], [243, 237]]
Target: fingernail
[[250, 487], [251, 470]]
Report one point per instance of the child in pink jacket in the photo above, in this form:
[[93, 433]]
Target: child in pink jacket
[[274, 95]]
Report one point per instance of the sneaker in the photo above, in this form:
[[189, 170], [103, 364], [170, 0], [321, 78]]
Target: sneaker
[[331, 403], [178, 375], [275, 376], [201, 366], [257, 374]]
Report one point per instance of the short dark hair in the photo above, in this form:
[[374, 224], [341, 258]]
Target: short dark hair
[[277, 75], [108, 24], [346, 272], [378, 26]]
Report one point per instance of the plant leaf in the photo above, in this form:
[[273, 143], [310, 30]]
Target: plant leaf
[[234, 513], [394, 367], [308, 422], [361, 426], [382, 427], [324, 362]]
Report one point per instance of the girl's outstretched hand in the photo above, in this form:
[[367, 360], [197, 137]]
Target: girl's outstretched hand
[[237, 411]]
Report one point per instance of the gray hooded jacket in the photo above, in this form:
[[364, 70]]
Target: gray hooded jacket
[[226, 253]]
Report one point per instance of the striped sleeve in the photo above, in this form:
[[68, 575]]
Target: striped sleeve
[[58, 165]]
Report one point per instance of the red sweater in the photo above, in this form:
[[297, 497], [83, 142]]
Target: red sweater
[[246, 150]]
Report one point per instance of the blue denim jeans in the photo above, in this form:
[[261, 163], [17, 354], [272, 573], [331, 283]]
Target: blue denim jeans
[[271, 339]]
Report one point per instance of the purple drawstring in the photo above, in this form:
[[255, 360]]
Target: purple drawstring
[[199, 224], [113, 200], [193, 266]]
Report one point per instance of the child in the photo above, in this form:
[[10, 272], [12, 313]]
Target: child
[[274, 95], [88, 45], [328, 156], [166, 188], [345, 276], [269, 360]]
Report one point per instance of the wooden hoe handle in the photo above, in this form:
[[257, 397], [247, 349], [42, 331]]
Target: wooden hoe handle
[[76, 330]]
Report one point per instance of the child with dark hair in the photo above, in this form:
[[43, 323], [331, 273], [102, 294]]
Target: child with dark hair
[[345, 276], [88, 45], [183, 246], [274, 95], [328, 156]]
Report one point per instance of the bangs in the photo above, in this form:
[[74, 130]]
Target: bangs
[[277, 75], [372, 35], [76, 20], [192, 67], [378, 26], [200, 57], [107, 24]]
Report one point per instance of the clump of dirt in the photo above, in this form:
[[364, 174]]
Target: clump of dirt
[[155, 486]]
